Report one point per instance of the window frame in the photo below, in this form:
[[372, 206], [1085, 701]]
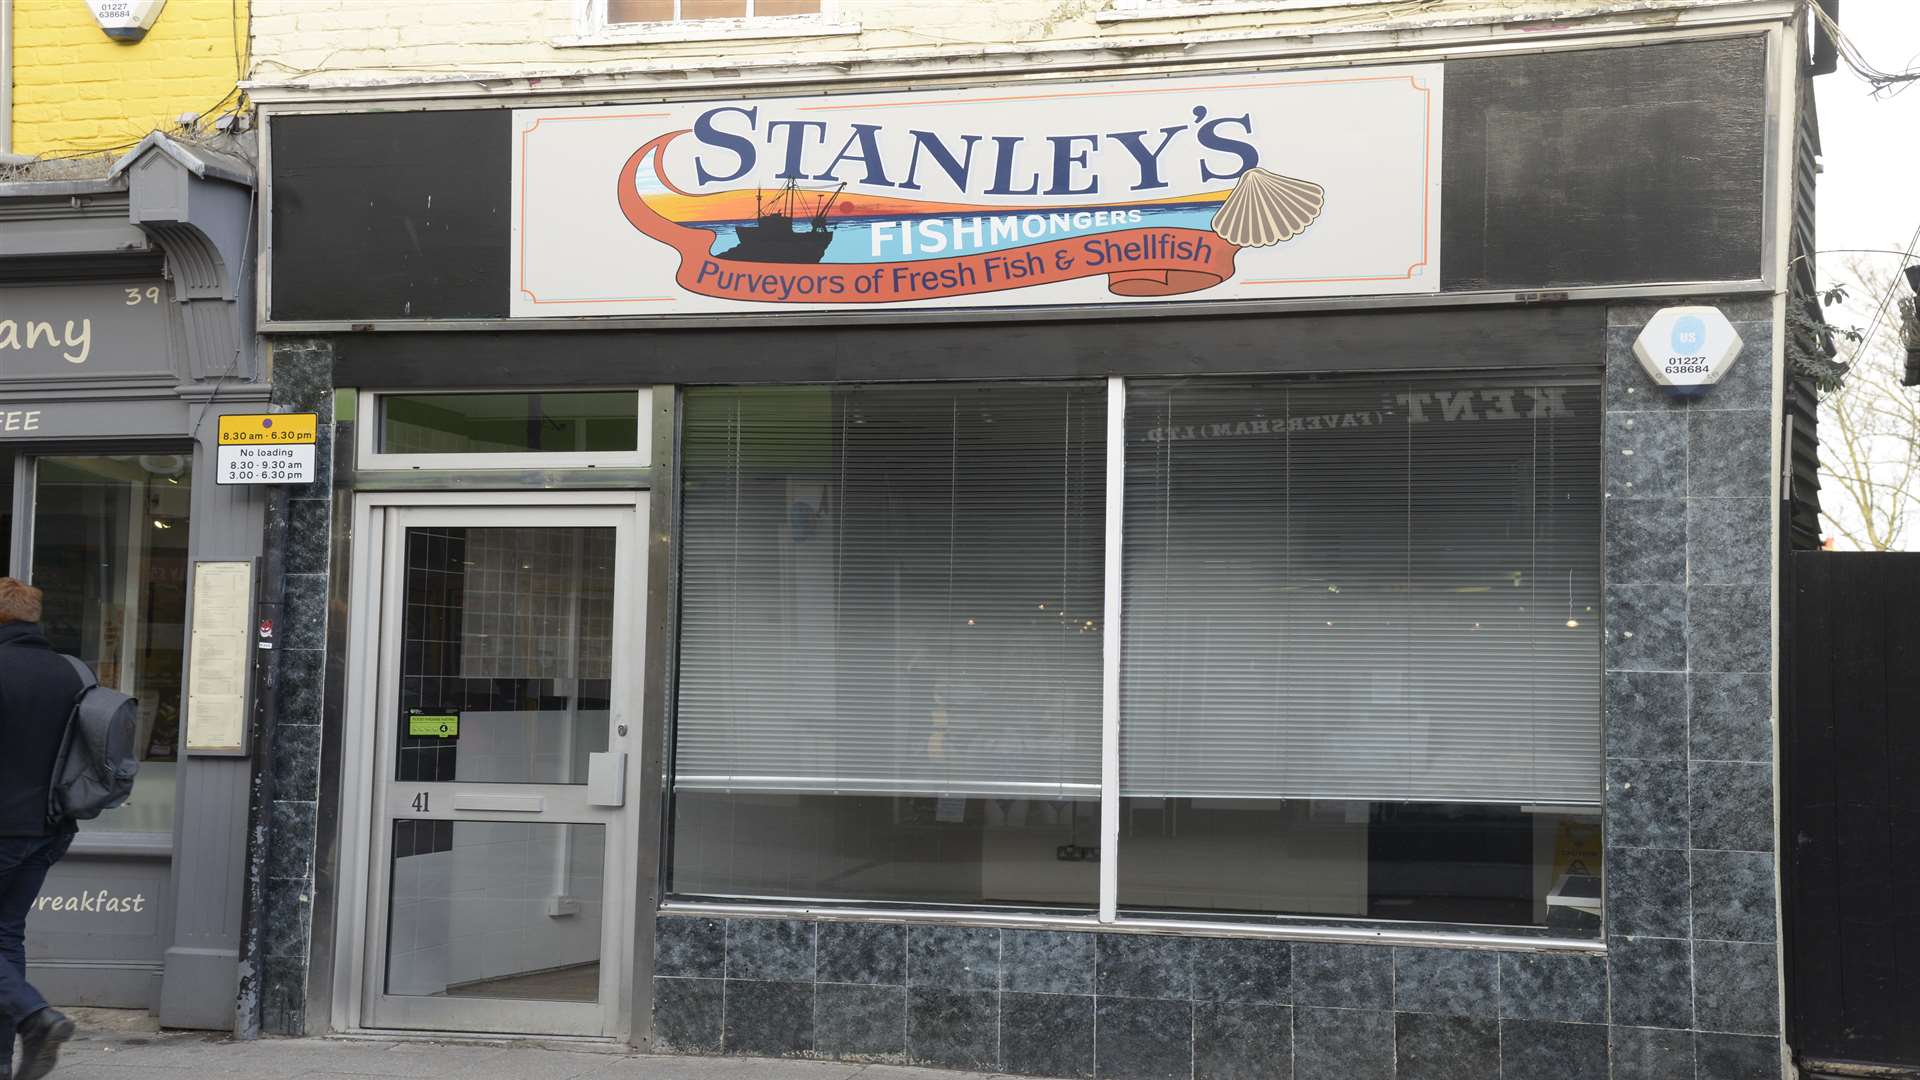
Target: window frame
[[591, 28], [368, 457], [1107, 914], [1148, 10]]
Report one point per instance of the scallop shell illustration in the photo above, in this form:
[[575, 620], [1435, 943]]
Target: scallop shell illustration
[[1265, 208]]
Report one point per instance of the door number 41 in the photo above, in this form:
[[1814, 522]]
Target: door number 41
[[422, 802]]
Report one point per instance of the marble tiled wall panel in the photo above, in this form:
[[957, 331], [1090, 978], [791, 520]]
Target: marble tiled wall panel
[[1149, 1007], [302, 381], [1689, 984], [1690, 796]]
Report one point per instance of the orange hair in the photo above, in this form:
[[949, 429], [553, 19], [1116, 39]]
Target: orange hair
[[19, 601]]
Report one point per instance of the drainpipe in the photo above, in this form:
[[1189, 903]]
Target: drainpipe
[[7, 156]]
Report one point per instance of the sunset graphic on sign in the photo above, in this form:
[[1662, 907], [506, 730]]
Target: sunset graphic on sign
[[821, 244]]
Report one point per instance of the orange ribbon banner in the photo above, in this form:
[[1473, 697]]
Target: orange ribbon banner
[[1143, 262]]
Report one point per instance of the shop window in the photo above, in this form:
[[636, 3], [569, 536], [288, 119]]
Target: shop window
[[1361, 660], [507, 430], [890, 644], [623, 12], [1360, 664], [110, 553], [7, 465]]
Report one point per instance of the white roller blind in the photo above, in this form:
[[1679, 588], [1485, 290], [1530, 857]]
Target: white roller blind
[[892, 590], [1383, 591]]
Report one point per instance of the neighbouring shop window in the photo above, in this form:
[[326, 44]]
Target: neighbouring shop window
[[7, 459], [649, 11], [1361, 649], [110, 553], [585, 422], [890, 644]]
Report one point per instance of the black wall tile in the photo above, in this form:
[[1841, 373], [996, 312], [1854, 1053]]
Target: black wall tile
[[953, 957], [1730, 717], [1046, 1034], [1733, 895], [1646, 455], [1553, 986], [1452, 982], [692, 947], [860, 1021], [283, 995], [870, 953], [1728, 541], [1652, 981], [954, 1029], [1446, 1047], [1342, 1044], [1651, 1054], [1729, 628], [1737, 1057], [687, 1015], [1144, 1039], [780, 950], [1647, 715], [1145, 966], [1646, 627], [1647, 892], [1545, 1050], [1732, 806], [296, 759], [290, 854], [1343, 976], [1646, 541], [1647, 804], [1728, 453], [1046, 961], [769, 1019], [1242, 1041], [1735, 988], [1242, 970]]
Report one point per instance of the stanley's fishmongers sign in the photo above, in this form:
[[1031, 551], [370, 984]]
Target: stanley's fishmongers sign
[[1230, 186]]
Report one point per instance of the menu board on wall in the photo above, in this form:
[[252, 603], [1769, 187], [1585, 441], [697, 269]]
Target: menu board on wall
[[218, 663], [1226, 186]]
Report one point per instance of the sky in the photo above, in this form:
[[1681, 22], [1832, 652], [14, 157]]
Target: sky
[[1869, 185], [1869, 194]]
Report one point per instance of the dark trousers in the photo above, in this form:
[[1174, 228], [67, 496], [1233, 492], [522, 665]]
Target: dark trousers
[[24, 862]]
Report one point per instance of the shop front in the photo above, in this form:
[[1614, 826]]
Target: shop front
[[124, 336], [1105, 574]]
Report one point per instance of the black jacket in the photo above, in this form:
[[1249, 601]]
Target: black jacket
[[37, 688]]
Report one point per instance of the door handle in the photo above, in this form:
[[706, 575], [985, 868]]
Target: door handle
[[607, 778]]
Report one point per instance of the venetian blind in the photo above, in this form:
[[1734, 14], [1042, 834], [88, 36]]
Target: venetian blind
[[892, 590], [1382, 591]]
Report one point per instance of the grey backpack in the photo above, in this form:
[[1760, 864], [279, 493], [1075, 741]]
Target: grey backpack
[[97, 760]]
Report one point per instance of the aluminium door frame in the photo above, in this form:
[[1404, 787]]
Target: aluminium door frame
[[361, 743]]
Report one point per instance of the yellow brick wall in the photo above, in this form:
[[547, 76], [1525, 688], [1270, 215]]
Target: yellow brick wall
[[75, 89]]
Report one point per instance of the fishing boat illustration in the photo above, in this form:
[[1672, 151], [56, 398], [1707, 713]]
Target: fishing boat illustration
[[773, 237]]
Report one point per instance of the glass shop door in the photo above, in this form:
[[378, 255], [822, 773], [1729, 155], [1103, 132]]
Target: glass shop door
[[508, 657]]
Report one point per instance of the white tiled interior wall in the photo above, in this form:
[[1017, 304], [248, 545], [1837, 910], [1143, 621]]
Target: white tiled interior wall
[[480, 910], [529, 747], [538, 604]]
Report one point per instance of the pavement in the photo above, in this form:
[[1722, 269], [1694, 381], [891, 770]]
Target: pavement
[[117, 1045]]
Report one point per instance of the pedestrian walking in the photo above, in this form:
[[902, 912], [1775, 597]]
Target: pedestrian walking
[[38, 687]]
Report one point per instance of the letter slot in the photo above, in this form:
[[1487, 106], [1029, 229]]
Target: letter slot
[[607, 778], [512, 804]]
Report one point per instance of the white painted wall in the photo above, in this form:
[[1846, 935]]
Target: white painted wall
[[347, 43]]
